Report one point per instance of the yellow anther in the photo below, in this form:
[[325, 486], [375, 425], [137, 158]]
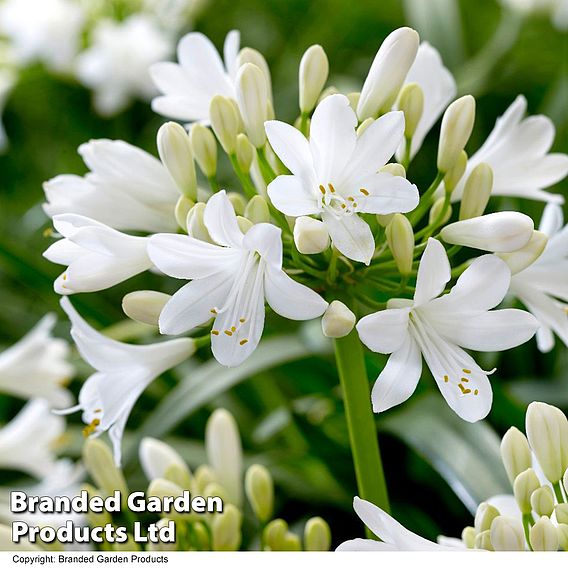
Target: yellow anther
[[343, 206], [213, 311], [65, 276], [243, 341], [331, 188], [350, 199], [465, 380], [214, 332], [446, 378], [90, 428], [48, 232], [463, 389], [475, 392], [354, 205], [233, 329], [364, 191], [242, 320], [322, 189], [97, 410], [467, 371], [228, 332]]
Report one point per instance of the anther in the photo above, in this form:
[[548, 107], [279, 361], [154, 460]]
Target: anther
[[214, 332], [228, 332], [242, 320], [467, 371], [364, 191], [213, 311], [233, 329], [322, 189], [331, 188], [475, 392], [465, 380], [446, 378], [243, 341]]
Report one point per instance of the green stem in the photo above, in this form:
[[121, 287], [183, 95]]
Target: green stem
[[558, 492], [527, 522], [248, 186], [360, 421], [426, 199], [407, 148], [304, 123], [213, 184], [265, 168]]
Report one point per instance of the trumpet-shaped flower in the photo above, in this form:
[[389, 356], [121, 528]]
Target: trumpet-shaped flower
[[97, 256], [543, 286], [122, 372], [27, 442], [439, 327], [230, 281], [37, 366], [334, 174], [517, 151], [126, 189], [189, 86]]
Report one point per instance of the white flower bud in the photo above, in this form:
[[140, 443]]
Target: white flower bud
[[387, 72], [400, 238], [100, 464], [144, 306], [394, 169], [507, 534], [252, 96], [338, 320], [244, 224], [353, 99], [310, 235], [204, 149], [455, 173], [226, 529], [384, 220], [331, 90], [225, 122], [525, 256], [274, 534], [238, 202], [224, 452], [182, 208], [543, 536], [562, 530], [411, 103], [257, 210], [484, 517], [468, 537], [314, 69], [457, 125], [547, 431], [195, 226], [561, 512], [477, 192], [542, 501], [483, 541], [174, 148], [259, 489], [250, 55], [364, 125], [203, 477], [317, 535], [515, 453], [506, 231], [525, 484], [156, 457], [437, 208], [213, 489], [245, 153]]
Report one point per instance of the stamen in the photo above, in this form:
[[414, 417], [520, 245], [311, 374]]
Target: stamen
[[465, 380], [331, 188], [364, 191], [242, 320], [90, 428], [213, 311], [446, 378], [343, 206], [354, 205], [214, 332], [463, 389], [65, 276], [233, 329], [228, 332], [97, 410], [467, 371], [322, 189], [475, 392], [243, 341], [350, 199]]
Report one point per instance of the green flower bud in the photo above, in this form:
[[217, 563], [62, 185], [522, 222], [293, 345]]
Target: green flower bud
[[411, 103], [310, 235], [178, 474], [353, 99], [225, 122], [544, 536], [226, 529], [238, 202], [400, 238], [331, 90], [274, 534], [364, 125], [244, 224], [338, 320], [292, 543], [163, 488], [99, 462], [483, 541], [252, 96], [181, 210], [561, 511], [204, 149], [203, 477], [195, 226], [437, 208], [250, 55], [144, 306], [259, 489], [455, 173], [213, 489], [384, 220], [314, 69], [525, 484], [317, 535], [200, 536], [157, 457], [245, 153], [515, 453], [257, 210], [562, 530], [542, 501], [468, 537], [484, 517], [507, 534], [96, 519], [394, 169], [477, 192]]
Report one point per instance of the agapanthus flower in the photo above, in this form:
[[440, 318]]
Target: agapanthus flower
[[37, 366], [439, 327], [230, 281], [122, 372], [334, 174]]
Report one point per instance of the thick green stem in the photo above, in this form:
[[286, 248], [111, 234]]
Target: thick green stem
[[426, 200], [360, 421], [558, 492]]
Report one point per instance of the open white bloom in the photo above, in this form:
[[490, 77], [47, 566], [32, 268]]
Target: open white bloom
[[393, 535], [334, 174], [97, 256], [126, 189], [543, 286], [517, 151], [116, 64], [43, 30], [122, 372], [439, 327], [231, 279], [37, 366], [189, 86], [27, 442], [7, 82], [439, 88]]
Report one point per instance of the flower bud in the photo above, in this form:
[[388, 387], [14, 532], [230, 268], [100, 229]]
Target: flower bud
[[225, 122], [162, 546], [384, 220], [507, 534], [437, 208], [224, 452], [476, 192], [226, 529], [353, 99], [195, 226], [387, 72], [542, 501], [174, 148], [331, 90], [144, 306], [525, 484], [204, 149], [543, 536], [484, 517], [506, 231], [468, 537], [562, 531], [161, 488], [411, 103], [245, 153], [259, 489], [291, 543], [394, 169], [547, 431], [99, 462], [244, 224], [213, 489], [455, 173], [250, 55], [525, 256], [252, 96], [561, 512], [274, 534], [483, 541], [156, 457], [203, 477], [400, 238], [364, 125], [96, 519], [317, 535], [182, 208], [310, 235], [201, 537], [314, 69], [238, 202], [338, 320], [515, 453], [178, 474], [457, 125], [257, 210]]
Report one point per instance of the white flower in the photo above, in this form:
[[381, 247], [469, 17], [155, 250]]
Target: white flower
[[558, 9], [122, 372], [393, 535], [517, 151], [127, 189], [156, 458], [439, 327], [97, 256], [189, 86], [7, 82], [543, 286], [45, 30], [230, 282], [37, 366], [27, 442], [439, 88], [116, 64], [334, 174]]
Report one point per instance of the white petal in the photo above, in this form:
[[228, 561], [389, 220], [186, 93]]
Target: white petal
[[231, 52], [351, 236], [385, 331], [290, 195], [434, 272], [552, 219], [221, 221], [266, 240], [386, 194], [364, 545], [156, 457]]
